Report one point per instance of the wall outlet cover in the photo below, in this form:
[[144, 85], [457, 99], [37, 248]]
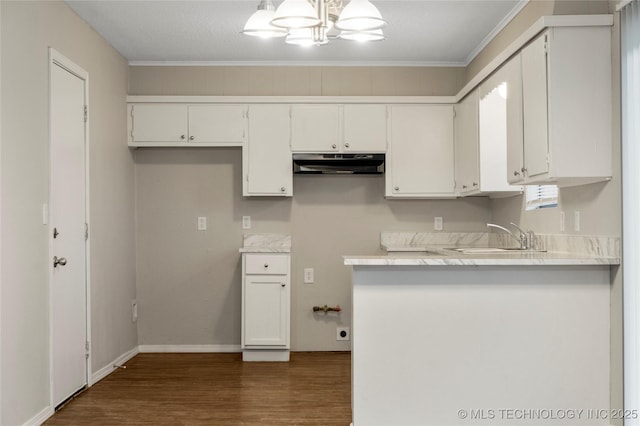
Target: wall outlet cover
[[437, 223], [342, 333], [246, 222]]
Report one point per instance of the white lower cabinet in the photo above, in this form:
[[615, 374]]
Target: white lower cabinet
[[420, 159], [266, 294]]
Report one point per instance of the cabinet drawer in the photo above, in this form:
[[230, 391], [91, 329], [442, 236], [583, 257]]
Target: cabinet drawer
[[266, 264]]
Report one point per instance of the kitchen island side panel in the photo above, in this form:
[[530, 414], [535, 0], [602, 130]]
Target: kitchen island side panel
[[480, 345]]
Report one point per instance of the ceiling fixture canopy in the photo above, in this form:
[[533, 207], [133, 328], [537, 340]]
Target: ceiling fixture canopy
[[314, 22]]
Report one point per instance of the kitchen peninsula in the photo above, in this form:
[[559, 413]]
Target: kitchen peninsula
[[443, 338]]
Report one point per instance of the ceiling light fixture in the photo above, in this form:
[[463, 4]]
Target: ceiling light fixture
[[309, 22]]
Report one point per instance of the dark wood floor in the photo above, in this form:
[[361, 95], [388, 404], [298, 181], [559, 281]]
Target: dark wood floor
[[218, 389]]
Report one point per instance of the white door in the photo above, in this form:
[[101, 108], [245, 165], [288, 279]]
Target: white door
[[67, 224]]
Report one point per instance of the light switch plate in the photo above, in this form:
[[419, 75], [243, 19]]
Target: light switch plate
[[308, 275], [246, 222], [437, 223], [202, 223]]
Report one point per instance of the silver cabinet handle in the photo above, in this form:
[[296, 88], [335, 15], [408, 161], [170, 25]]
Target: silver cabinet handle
[[397, 188], [182, 137], [283, 189], [59, 261], [191, 138], [266, 265], [334, 146], [475, 183], [346, 145], [283, 284], [523, 170], [464, 186], [516, 173]]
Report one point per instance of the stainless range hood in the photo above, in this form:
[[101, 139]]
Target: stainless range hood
[[338, 164]]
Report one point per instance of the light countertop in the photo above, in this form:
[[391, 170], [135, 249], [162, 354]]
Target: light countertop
[[439, 256]]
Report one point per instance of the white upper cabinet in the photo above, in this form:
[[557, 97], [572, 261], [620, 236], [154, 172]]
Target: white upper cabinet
[[163, 123], [511, 75], [365, 128], [567, 107], [166, 124], [217, 123], [315, 128], [420, 159], [339, 128], [466, 145], [266, 157]]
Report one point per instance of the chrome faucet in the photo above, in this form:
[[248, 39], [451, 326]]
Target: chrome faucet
[[525, 239]]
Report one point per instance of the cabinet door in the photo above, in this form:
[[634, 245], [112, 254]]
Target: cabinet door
[[315, 128], [159, 123], [466, 141], [217, 124], [420, 159], [266, 310], [511, 74], [365, 128], [266, 156], [534, 97]]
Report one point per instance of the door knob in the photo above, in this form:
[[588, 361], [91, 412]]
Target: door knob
[[59, 261]]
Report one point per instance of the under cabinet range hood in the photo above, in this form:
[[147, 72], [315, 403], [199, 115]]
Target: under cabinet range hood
[[338, 164]]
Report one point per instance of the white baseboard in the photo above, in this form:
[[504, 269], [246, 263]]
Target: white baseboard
[[109, 368], [41, 417], [189, 348]]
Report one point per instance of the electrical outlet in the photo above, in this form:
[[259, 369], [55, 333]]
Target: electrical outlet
[[134, 310], [342, 333], [576, 221], [437, 223], [246, 222], [202, 223], [308, 275]]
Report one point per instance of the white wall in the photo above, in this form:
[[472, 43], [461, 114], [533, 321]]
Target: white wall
[[28, 30]]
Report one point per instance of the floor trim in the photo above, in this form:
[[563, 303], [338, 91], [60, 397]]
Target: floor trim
[[109, 368], [41, 417], [189, 348]]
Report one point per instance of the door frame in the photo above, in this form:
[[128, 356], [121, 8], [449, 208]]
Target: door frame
[[57, 59]]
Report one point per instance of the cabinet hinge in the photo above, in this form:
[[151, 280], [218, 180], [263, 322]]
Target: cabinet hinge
[[454, 112], [86, 113], [86, 231], [86, 349], [546, 44]]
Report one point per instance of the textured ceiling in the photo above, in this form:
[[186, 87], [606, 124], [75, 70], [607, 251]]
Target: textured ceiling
[[418, 32]]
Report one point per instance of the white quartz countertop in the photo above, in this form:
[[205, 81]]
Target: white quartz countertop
[[266, 243], [443, 257]]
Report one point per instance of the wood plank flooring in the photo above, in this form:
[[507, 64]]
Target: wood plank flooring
[[314, 388]]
